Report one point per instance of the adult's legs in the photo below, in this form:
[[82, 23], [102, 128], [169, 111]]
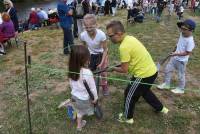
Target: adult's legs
[[129, 14], [80, 25], [113, 11], [68, 40], [159, 13]]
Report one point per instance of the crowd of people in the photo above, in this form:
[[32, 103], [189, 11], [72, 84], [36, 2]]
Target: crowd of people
[[38, 17], [10, 25]]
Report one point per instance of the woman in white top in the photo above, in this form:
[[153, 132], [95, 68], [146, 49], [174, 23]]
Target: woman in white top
[[79, 59], [95, 39]]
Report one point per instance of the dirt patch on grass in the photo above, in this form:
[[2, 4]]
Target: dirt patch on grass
[[192, 80], [16, 70], [61, 87], [191, 127], [34, 95], [2, 79]]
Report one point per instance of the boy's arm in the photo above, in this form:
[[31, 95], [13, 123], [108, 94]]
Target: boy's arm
[[188, 50], [122, 69], [180, 54]]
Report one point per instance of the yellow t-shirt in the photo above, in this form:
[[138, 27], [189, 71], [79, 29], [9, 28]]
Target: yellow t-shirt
[[140, 62]]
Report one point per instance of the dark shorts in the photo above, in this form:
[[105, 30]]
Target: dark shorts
[[95, 60]]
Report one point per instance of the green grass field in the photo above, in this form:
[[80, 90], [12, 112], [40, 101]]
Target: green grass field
[[48, 84]]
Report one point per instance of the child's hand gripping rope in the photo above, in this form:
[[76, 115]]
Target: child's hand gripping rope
[[98, 72], [161, 62], [107, 69]]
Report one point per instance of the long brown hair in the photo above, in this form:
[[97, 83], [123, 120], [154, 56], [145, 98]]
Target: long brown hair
[[79, 56]]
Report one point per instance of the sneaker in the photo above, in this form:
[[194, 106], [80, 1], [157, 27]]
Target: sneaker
[[178, 91], [163, 86], [2, 52], [83, 123], [106, 92], [120, 115], [65, 103], [164, 110], [122, 119]]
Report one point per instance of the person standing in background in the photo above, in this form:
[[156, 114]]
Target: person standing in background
[[44, 13], [9, 8], [66, 20], [114, 7], [33, 19]]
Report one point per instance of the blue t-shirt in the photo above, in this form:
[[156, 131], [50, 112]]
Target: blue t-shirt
[[66, 21], [40, 15]]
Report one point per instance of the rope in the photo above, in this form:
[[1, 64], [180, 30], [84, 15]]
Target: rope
[[108, 78], [41, 66]]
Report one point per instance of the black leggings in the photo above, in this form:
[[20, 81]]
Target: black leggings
[[136, 89]]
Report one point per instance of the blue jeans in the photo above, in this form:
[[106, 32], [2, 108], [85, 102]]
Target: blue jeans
[[159, 13], [180, 66], [153, 11], [68, 40]]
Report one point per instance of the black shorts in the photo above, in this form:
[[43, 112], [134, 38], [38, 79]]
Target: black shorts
[[95, 60]]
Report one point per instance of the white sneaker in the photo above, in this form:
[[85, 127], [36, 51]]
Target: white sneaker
[[178, 91], [163, 86]]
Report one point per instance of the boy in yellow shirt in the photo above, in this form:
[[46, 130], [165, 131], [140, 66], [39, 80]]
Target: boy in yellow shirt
[[136, 61]]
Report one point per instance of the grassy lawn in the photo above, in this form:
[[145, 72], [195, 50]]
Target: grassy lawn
[[49, 86]]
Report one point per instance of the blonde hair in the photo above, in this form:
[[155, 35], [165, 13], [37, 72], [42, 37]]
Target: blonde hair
[[5, 17], [91, 18], [9, 2]]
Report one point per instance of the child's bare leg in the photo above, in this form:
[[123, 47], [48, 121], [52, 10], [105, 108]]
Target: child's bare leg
[[79, 120], [80, 123]]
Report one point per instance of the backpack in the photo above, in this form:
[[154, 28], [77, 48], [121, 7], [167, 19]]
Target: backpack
[[79, 10]]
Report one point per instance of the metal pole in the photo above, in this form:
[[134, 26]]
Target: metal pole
[[27, 91]]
